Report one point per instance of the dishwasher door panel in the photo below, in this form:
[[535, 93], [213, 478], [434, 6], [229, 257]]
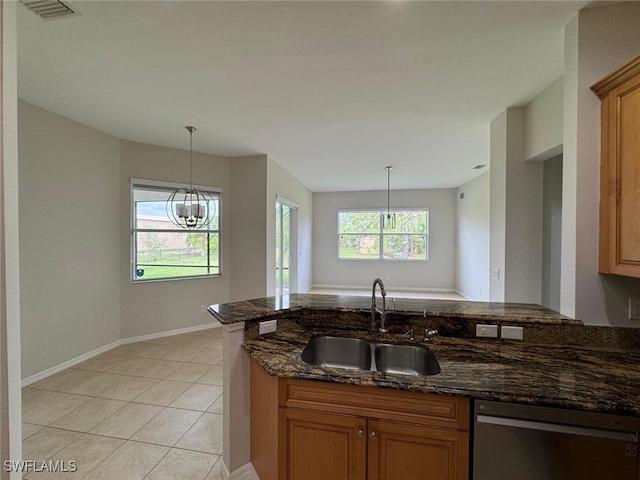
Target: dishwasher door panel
[[534, 449]]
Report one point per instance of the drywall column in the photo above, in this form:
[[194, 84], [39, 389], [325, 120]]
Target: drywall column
[[236, 447], [10, 376], [516, 213], [597, 41], [497, 206], [569, 169], [551, 232], [249, 227]]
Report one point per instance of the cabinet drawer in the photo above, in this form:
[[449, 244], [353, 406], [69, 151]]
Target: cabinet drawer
[[411, 407]]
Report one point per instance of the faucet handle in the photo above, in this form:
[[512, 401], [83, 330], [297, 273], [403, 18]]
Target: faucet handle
[[429, 334]]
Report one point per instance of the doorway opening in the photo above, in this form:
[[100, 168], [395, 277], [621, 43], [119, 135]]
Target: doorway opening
[[286, 271]]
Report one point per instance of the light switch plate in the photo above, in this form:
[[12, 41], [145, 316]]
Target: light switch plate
[[487, 331], [512, 333], [268, 326], [495, 273]]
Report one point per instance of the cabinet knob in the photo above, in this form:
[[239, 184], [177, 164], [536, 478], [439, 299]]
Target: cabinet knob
[[360, 433], [374, 435]]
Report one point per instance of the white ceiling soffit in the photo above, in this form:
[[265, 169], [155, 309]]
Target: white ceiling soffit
[[333, 91]]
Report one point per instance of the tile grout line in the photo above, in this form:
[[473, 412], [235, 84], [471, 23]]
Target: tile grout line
[[126, 377]]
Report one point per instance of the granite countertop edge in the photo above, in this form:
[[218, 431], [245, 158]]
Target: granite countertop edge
[[600, 407], [270, 307], [581, 378]]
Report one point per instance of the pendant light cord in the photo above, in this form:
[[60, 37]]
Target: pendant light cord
[[388, 168], [388, 194], [191, 130]]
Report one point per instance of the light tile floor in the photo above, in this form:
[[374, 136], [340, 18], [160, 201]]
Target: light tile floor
[[148, 410]]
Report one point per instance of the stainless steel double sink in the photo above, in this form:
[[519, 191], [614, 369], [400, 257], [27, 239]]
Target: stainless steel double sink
[[356, 354]]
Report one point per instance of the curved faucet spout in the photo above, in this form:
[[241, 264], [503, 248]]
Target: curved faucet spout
[[374, 309]]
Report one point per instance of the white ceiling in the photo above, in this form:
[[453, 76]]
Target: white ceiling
[[333, 91]]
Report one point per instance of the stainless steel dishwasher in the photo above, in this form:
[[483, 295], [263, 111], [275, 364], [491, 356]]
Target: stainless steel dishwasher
[[521, 442]]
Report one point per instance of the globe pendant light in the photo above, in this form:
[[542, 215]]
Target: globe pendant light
[[389, 220], [188, 207]]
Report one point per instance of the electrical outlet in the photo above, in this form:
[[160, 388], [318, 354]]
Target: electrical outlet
[[634, 309], [512, 333], [495, 273], [268, 326], [203, 309], [487, 331]]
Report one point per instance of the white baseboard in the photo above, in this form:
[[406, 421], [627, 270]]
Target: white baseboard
[[395, 289], [69, 363], [246, 472], [169, 333], [105, 348], [467, 297]]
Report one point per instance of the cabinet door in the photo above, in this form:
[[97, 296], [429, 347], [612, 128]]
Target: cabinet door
[[400, 451], [321, 446], [624, 135]]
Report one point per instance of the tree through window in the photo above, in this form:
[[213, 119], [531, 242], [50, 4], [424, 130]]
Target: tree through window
[[361, 235]]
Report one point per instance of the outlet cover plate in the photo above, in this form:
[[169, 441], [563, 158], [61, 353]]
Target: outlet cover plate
[[512, 333], [268, 327], [487, 331]]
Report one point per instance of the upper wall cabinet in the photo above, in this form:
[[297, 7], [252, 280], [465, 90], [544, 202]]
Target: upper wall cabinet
[[620, 170]]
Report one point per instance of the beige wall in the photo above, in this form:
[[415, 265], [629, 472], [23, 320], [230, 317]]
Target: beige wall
[[69, 231], [438, 273], [152, 307], [10, 393], [280, 182], [472, 251], [249, 224], [597, 41], [523, 268], [543, 123], [516, 213], [551, 232], [497, 206]]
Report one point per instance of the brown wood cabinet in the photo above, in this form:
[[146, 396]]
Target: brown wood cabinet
[[332, 431], [620, 170], [318, 446], [405, 451]]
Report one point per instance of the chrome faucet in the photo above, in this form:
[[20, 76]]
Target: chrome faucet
[[374, 309]]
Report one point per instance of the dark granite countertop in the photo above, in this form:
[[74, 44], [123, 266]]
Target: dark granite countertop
[[578, 377], [560, 363], [262, 308]]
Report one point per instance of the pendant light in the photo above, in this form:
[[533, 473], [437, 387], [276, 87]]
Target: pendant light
[[188, 207], [389, 220]]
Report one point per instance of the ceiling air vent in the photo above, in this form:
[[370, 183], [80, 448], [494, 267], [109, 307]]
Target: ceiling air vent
[[49, 9]]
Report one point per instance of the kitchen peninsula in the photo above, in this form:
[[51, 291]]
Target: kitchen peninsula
[[559, 363]]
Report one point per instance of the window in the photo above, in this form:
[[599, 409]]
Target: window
[[159, 249], [361, 235]]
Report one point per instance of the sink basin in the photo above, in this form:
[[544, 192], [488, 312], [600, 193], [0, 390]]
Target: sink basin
[[338, 352], [406, 359]]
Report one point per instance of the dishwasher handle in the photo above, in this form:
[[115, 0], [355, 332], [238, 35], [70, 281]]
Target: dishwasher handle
[[558, 428]]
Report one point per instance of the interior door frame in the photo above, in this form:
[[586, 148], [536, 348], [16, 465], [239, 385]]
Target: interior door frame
[[293, 242]]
